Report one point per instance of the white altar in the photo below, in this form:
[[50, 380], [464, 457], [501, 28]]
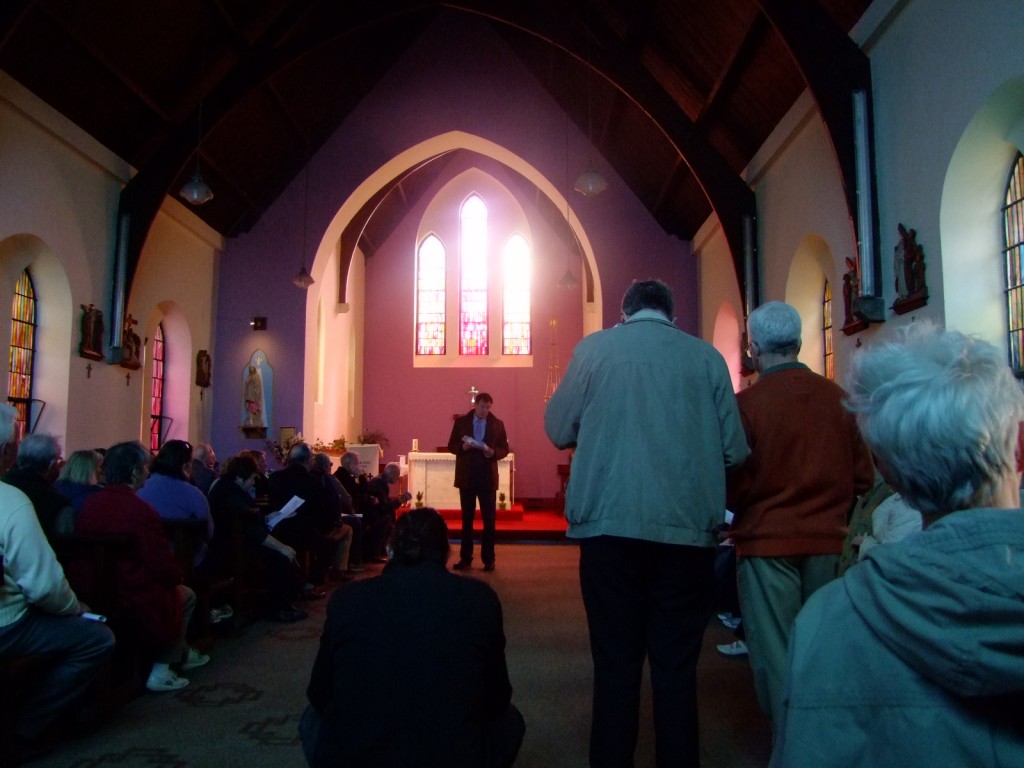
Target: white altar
[[434, 474]]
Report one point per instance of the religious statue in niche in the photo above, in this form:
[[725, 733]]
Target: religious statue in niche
[[908, 272], [257, 388], [92, 333], [852, 321], [131, 345], [203, 365]]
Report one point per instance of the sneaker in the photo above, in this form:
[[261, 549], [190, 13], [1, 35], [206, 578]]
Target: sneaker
[[732, 622], [220, 614], [165, 680], [194, 660], [736, 648], [724, 616]]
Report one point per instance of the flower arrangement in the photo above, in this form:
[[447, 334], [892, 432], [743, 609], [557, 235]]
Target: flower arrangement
[[419, 498], [371, 436], [280, 448], [337, 445], [501, 500]]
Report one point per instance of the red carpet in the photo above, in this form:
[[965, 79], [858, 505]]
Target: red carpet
[[514, 524]]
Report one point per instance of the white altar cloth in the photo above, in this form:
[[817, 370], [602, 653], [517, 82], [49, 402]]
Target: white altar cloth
[[434, 475]]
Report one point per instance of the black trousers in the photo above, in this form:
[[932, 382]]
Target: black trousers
[[645, 600], [488, 512]]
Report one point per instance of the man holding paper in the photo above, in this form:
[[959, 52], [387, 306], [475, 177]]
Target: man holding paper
[[479, 442]]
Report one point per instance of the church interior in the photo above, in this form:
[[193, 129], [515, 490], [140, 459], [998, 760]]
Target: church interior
[[243, 221]]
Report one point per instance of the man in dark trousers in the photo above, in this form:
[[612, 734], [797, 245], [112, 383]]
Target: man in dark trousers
[[479, 442]]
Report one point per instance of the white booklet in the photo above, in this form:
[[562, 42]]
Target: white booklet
[[288, 510]]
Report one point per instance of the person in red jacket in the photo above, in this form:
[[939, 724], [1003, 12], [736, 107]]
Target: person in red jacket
[[150, 594], [793, 496]]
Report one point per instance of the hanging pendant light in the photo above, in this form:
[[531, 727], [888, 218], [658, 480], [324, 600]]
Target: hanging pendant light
[[196, 191], [303, 279], [590, 183]]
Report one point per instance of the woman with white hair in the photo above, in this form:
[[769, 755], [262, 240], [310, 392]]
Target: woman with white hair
[[916, 657]]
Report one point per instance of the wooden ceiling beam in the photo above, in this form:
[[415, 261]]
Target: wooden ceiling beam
[[834, 68], [734, 67]]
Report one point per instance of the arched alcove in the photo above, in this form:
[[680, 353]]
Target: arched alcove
[[970, 218], [179, 374], [812, 264], [55, 321]]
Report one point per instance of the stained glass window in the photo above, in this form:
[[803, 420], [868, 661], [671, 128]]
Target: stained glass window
[[156, 393], [826, 333], [515, 329], [1013, 256], [430, 297], [473, 273], [23, 350]]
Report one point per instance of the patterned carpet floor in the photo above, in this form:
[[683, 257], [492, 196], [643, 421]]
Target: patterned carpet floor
[[242, 709]]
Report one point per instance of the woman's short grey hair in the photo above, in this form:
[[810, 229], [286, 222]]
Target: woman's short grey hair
[[941, 411], [775, 328]]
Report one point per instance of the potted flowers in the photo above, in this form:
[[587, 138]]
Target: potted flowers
[[501, 501]]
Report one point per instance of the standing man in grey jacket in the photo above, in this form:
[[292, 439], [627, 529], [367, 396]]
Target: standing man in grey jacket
[[641, 395]]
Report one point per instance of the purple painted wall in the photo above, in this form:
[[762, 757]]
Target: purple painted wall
[[458, 76]]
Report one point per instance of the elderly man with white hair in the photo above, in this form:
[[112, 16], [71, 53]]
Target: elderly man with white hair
[[916, 657], [793, 497], [40, 615]]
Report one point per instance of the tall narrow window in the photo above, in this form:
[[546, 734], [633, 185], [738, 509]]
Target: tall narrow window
[[1013, 256], [23, 351], [515, 329], [430, 297], [826, 333], [157, 430], [473, 273]]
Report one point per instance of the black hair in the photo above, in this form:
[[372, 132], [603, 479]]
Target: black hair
[[420, 534], [239, 467], [122, 461], [649, 294], [171, 459]]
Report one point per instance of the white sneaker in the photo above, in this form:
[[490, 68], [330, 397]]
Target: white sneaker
[[193, 660], [732, 622], [218, 615], [165, 680], [737, 648]]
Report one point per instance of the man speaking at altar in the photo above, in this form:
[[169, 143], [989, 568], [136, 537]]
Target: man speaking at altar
[[479, 442]]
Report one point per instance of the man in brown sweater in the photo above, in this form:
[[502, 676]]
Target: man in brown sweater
[[793, 496]]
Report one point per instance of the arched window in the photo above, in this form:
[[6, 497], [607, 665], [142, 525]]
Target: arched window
[[22, 352], [157, 420], [826, 333], [472, 278], [1013, 257], [515, 328], [431, 269], [473, 273]]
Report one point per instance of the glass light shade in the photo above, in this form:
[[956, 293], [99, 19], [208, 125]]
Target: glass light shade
[[195, 191], [568, 281], [303, 279], [590, 183]]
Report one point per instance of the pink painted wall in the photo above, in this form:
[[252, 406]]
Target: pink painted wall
[[458, 76]]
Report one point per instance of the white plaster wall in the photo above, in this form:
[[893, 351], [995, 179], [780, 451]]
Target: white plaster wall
[[60, 188], [934, 67]]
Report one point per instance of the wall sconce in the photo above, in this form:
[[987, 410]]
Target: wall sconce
[[258, 323]]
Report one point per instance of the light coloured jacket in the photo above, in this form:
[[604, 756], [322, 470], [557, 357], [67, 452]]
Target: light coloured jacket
[[653, 418], [32, 575], [916, 656]]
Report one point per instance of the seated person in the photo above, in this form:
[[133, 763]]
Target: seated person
[[312, 528], [422, 645], [150, 594], [203, 467], [914, 656], [234, 515], [35, 470], [349, 557], [259, 490], [376, 524], [40, 615], [79, 478], [170, 493]]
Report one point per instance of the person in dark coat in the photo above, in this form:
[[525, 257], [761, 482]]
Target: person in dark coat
[[479, 442], [423, 646]]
